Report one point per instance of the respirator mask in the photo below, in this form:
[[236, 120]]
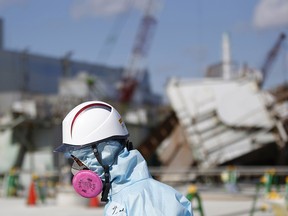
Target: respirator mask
[[85, 182], [91, 168]]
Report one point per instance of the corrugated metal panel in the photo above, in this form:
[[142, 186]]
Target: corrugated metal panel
[[222, 119]]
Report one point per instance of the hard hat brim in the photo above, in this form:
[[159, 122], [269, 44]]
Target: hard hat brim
[[67, 148]]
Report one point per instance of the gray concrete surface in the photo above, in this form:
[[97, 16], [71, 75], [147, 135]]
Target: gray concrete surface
[[213, 206], [18, 207], [216, 202]]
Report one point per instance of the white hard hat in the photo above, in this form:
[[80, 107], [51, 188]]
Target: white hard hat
[[91, 122]]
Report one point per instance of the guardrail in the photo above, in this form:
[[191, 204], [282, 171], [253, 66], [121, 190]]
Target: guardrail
[[192, 174], [241, 170]]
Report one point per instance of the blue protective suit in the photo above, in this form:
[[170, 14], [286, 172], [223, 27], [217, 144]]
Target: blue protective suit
[[135, 193]]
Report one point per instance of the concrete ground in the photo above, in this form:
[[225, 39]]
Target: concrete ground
[[18, 207], [215, 203], [211, 206]]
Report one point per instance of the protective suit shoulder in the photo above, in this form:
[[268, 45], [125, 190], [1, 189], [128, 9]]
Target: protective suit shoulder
[[149, 197]]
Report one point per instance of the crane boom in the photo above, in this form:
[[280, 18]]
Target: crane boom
[[139, 52], [271, 57]]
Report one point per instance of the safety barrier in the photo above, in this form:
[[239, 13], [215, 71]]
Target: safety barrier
[[269, 182], [94, 202], [32, 193], [194, 197], [230, 177], [12, 181]]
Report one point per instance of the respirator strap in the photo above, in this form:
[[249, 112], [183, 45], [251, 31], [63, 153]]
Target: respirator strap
[[107, 184], [129, 145]]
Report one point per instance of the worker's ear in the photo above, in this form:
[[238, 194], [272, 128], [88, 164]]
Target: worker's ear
[[129, 145]]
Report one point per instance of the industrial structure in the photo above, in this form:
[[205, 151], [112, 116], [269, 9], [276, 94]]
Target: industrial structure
[[37, 91], [226, 118]]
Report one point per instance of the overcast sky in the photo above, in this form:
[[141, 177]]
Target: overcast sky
[[186, 40]]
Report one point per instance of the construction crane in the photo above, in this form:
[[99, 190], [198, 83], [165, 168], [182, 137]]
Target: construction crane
[[270, 58], [132, 74]]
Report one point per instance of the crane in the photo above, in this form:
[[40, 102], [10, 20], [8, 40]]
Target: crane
[[140, 49], [270, 58]]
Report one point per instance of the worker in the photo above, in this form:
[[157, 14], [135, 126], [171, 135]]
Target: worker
[[96, 138]]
